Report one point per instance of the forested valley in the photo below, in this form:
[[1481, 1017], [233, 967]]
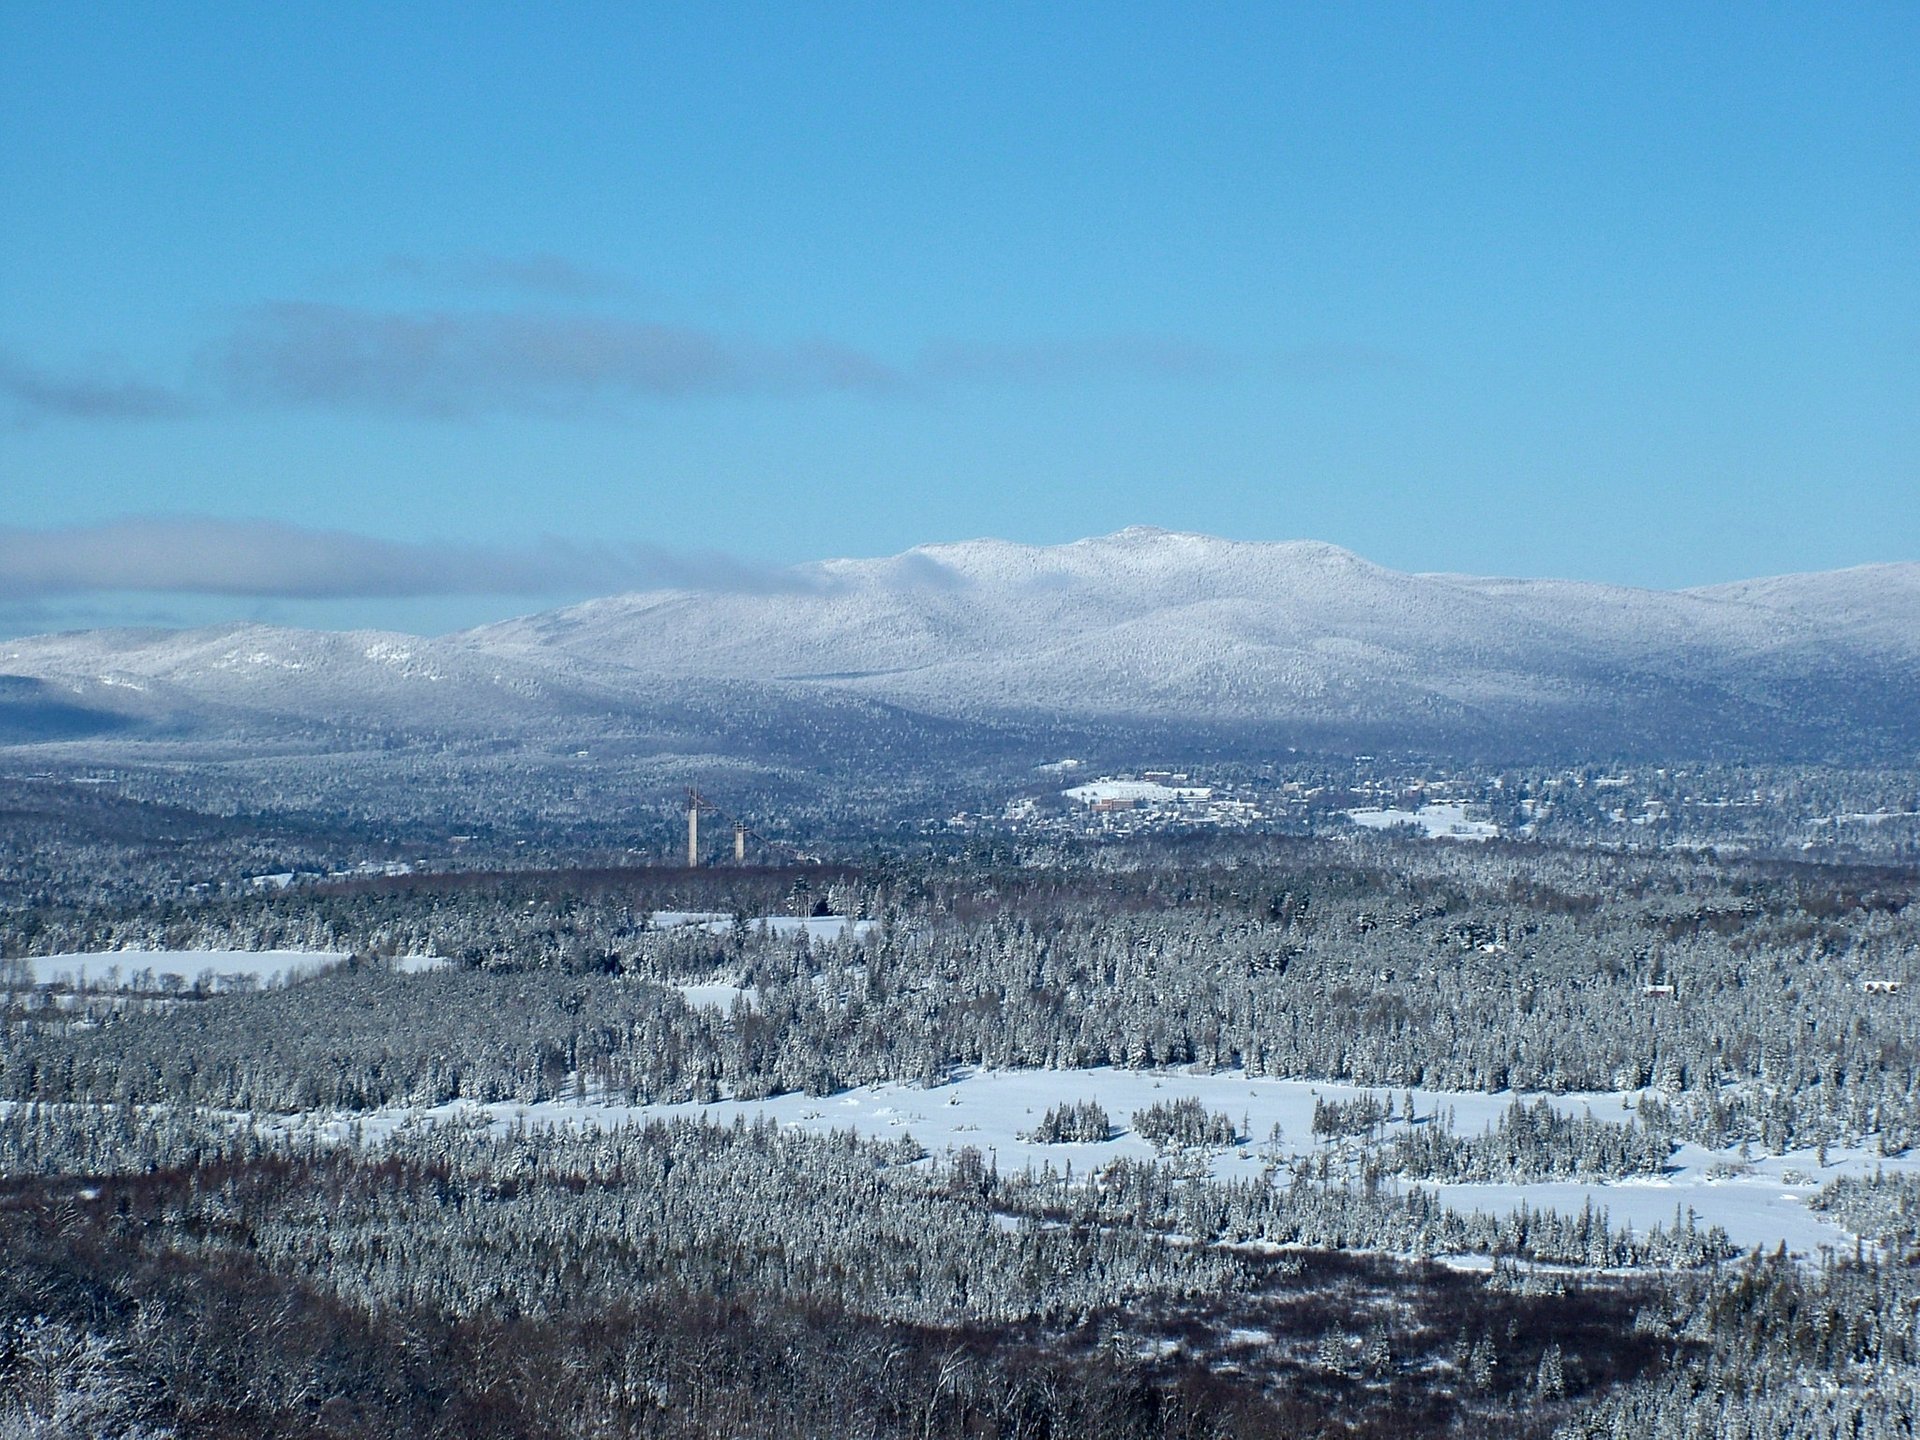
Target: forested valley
[[478, 1176]]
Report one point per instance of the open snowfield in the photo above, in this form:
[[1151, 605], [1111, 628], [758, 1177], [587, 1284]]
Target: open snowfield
[[814, 927], [1141, 792], [147, 969], [718, 997], [1436, 822], [992, 1110]]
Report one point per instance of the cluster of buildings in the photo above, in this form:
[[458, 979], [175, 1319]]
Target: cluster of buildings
[[1120, 805]]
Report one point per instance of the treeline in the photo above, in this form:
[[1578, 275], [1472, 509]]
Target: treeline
[[1346, 1215], [1073, 1122], [124, 1335], [366, 1038], [1481, 972], [1882, 1208], [824, 1205], [205, 1229], [1827, 1354], [644, 1282], [1183, 1124], [239, 1277], [1531, 1142]]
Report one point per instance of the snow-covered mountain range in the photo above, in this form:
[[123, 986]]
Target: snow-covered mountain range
[[1280, 642]]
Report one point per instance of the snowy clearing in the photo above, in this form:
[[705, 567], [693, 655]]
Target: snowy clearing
[[993, 1110], [718, 997], [1437, 822], [419, 964], [814, 927], [148, 969], [1141, 792]]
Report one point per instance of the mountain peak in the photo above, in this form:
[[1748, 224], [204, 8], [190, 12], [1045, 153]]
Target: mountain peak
[[1150, 535], [1302, 637], [1152, 538]]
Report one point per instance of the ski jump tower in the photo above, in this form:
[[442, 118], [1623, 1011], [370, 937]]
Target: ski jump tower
[[695, 804]]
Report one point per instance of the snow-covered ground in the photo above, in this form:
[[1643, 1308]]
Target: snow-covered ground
[[419, 964], [1437, 822], [1139, 626], [993, 1110], [718, 997], [147, 969], [1141, 792], [814, 927]]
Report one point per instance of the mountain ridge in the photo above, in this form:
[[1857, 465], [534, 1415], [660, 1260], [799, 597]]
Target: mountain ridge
[[1143, 625]]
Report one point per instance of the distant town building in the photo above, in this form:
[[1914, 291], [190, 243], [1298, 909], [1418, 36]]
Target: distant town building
[[1095, 794]]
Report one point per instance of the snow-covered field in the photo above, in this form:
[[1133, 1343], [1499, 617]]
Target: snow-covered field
[[1759, 1203], [1437, 822], [814, 927], [1141, 792], [993, 1110], [718, 997], [148, 969], [419, 964]]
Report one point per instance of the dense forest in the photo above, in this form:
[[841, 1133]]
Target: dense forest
[[227, 1210], [1736, 990]]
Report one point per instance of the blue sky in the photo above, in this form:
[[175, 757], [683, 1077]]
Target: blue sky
[[473, 309]]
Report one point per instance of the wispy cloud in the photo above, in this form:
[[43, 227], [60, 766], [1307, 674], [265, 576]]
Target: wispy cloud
[[451, 363], [511, 343], [206, 556], [29, 393], [457, 363]]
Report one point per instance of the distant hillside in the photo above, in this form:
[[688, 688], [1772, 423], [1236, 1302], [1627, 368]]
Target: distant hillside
[[1273, 644]]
